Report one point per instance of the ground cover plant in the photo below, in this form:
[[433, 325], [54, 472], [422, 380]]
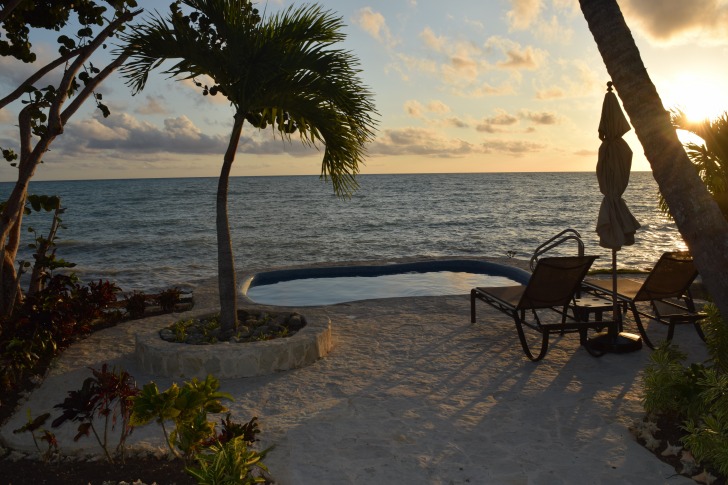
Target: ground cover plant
[[109, 400], [691, 402]]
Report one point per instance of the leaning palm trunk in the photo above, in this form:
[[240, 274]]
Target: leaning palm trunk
[[696, 215], [227, 281]]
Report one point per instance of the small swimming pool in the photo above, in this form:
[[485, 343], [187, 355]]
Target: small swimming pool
[[339, 284]]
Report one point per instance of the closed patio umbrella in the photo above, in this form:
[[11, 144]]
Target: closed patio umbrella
[[616, 225]]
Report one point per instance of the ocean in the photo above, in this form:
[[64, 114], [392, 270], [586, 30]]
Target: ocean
[[152, 234]]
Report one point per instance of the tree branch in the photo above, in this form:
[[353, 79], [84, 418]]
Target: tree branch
[[5, 13], [24, 126], [55, 124], [38, 75], [81, 97]]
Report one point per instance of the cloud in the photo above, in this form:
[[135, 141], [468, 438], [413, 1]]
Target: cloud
[[461, 60], [502, 121], [153, 106], [432, 143], [516, 56], [495, 123], [553, 92], [415, 109], [553, 30], [546, 24], [124, 135], [677, 21], [577, 78], [7, 116], [542, 118], [512, 147], [14, 72], [419, 141], [487, 89], [434, 42], [404, 65], [523, 13], [457, 122], [374, 24]]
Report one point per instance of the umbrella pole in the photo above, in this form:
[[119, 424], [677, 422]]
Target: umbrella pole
[[614, 340], [616, 313]]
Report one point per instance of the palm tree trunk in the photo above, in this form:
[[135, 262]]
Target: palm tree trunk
[[696, 214], [227, 283]]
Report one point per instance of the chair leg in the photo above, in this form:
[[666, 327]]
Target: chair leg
[[472, 306], [670, 330], [699, 329], [524, 343], [643, 332]]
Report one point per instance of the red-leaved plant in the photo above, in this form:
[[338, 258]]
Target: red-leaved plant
[[107, 395]]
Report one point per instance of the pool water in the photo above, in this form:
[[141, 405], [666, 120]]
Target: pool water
[[328, 286]]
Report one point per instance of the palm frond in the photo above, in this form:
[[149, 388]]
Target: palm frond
[[710, 159], [280, 71]]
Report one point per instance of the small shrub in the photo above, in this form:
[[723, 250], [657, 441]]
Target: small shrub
[[136, 304], [34, 425], [49, 320], [696, 395], [108, 395], [169, 298], [187, 407], [229, 463], [230, 430], [180, 329]]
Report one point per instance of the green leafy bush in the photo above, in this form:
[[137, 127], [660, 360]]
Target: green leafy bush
[[187, 407], [697, 394], [230, 463]]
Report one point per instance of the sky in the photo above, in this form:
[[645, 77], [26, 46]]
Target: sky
[[459, 86]]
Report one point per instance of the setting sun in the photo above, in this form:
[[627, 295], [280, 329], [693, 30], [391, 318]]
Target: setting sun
[[699, 97]]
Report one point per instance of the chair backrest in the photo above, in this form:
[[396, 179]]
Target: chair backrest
[[670, 278], [554, 281]]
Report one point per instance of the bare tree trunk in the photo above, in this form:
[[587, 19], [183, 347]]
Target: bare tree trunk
[[40, 267], [696, 214], [227, 281]]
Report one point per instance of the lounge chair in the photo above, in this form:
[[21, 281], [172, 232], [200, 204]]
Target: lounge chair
[[552, 286], [666, 288]]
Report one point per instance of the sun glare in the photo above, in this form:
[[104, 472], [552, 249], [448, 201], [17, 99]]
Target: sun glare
[[699, 97]]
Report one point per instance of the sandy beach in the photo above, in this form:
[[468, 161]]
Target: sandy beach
[[412, 393]]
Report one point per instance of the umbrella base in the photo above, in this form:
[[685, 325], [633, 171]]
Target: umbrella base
[[621, 343]]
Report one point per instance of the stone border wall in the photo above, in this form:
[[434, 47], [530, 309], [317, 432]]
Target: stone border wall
[[234, 360]]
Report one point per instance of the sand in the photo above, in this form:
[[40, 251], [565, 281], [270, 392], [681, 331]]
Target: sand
[[412, 393]]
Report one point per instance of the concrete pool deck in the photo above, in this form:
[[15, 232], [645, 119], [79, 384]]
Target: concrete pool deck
[[412, 393]]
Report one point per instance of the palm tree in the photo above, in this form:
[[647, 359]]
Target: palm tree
[[696, 215], [709, 159], [280, 71]]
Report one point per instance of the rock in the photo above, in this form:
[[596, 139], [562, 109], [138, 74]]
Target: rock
[[196, 339], [168, 335], [296, 322]]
